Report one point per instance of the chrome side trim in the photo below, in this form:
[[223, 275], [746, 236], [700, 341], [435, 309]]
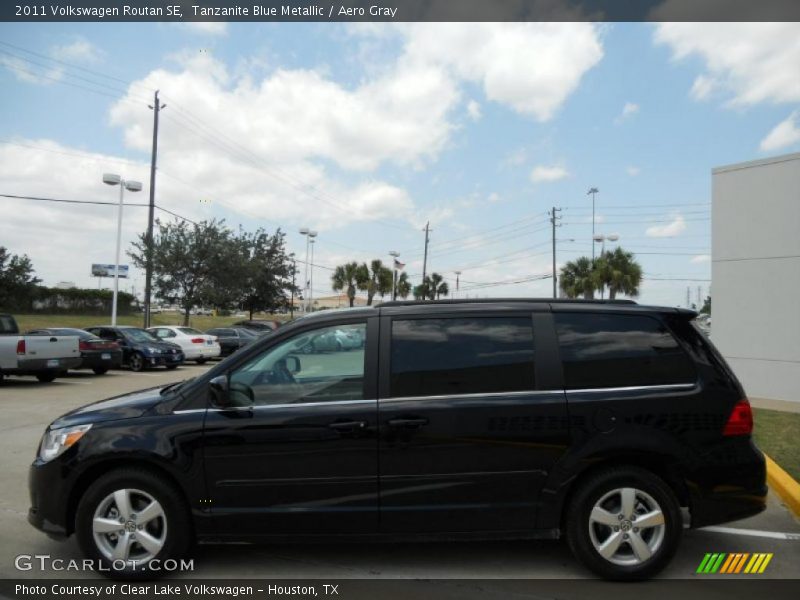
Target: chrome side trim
[[469, 396], [635, 388]]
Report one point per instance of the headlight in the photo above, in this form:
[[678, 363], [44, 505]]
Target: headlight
[[152, 350], [57, 441]]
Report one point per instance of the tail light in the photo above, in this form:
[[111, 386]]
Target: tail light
[[84, 345], [741, 420], [21, 347], [198, 341]]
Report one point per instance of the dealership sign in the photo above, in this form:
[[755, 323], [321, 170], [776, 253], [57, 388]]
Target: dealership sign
[[108, 271]]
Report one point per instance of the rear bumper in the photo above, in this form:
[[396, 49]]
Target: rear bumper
[[735, 488], [32, 366], [95, 360], [202, 352]]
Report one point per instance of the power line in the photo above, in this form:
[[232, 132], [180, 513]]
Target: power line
[[66, 201]]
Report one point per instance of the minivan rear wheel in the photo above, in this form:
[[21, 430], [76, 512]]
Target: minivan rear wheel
[[624, 523], [130, 517]]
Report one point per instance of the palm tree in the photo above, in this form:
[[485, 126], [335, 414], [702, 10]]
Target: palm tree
[[378, 280], [403, 285], [620, 272], [349, 276], [579, 278], [437, 286]]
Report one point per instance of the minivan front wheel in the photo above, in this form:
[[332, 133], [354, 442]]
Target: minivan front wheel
[[624, 523], [128, 518]]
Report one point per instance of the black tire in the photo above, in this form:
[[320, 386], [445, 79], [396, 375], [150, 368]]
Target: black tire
[[201, 361], [137, 362], [100, 370], [173, 528], [172, 367], [47, 377], [600, 490]]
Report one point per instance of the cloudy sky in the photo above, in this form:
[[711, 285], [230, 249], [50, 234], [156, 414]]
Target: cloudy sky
[[367, 132]]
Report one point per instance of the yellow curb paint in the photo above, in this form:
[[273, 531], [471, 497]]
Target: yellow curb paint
[[757, 564], [765, 563], [782, 483]]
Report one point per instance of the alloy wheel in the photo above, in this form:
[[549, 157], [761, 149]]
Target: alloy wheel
[[626, 526], [129, 525]]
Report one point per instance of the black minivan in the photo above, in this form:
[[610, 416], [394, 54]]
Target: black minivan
[[599, 421]]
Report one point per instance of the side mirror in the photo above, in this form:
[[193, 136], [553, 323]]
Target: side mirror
[[293, 364], [218, 387]]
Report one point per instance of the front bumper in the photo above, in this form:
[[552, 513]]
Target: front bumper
[[162, 360], [48, 493]]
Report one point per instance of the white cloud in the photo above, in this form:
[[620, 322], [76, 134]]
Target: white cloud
[[530, 67], [516, 158], [548, 173], [80, 51], [630, 109], [786, 133], [673, 228], [474, 110], [205, 27], [493, 198], [700, 258], [753, 62], [633, 171]]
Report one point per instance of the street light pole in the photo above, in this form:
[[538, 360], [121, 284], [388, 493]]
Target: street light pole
[[131, 186], [592, 191], [394, 254], [312, 235], [458, 275]]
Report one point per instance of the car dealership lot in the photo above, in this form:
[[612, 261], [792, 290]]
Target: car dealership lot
[[28, 406]]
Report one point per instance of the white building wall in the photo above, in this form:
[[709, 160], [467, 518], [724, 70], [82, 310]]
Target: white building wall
[[756, 274]]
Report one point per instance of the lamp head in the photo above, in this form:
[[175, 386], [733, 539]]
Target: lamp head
[[613, 237], [111, 179], [312, 234], [133, 186], [304, 231]]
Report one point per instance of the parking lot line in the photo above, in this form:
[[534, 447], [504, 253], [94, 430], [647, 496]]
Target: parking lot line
[[774, 535]]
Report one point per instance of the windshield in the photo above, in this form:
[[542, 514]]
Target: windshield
[[138, 335]]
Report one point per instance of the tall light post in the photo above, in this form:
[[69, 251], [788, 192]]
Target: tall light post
[[593, 191], [394, 254], [458, 275], [312, 235], [308, 234], [131, 186]]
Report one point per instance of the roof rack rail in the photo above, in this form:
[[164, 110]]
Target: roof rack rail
[[496, 300]]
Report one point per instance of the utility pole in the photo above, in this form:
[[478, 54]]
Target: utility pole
[[688, 297], [425, 260], [553, 218], [148, 278]]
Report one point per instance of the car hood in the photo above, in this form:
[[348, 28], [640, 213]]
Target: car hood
[[126, 406]]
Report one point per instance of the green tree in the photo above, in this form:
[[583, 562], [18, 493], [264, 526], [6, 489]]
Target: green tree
[[350, 276], [578, 278], [619, 271], [267, 271], [378, 281], [403, 285], [17, 281], [706, 308], [190, 261], [437, 287]]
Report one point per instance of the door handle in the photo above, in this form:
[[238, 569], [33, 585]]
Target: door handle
[[348, 425], [408, 423]]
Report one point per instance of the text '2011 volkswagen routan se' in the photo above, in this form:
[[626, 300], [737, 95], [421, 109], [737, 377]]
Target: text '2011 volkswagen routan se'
[[602, 422]]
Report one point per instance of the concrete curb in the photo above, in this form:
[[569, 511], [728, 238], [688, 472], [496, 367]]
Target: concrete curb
[[782, 483]]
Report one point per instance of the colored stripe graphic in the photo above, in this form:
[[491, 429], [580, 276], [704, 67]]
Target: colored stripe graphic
[[730, 564]]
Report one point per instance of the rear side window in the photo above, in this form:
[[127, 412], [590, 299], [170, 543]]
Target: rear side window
[[435, 357], [608, 350], [7, 324]]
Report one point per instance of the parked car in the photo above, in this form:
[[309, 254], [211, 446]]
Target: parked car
[[334, 340], [140, 349], [43, 356], [231, 339], [196, 345], [259, 325], [599, 421], [97, 354]]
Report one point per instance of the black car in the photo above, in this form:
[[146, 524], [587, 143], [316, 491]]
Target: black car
[[231, 339], [97, 354], [259, 326], [595, 421], [140, 349]]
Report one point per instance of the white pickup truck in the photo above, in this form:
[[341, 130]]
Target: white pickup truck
[[44, 356]]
